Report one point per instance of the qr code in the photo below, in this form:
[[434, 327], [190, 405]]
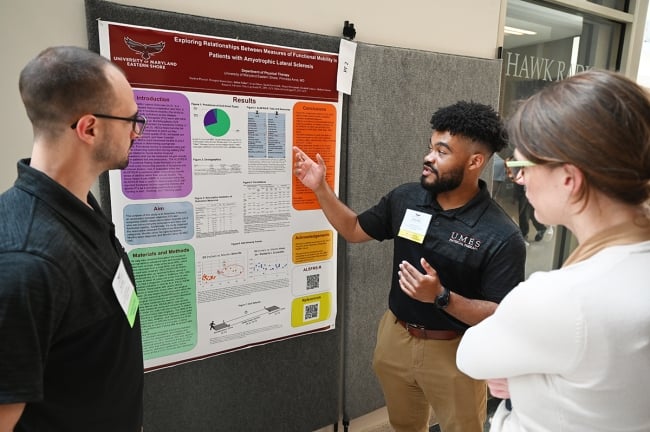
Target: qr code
[[313, 281], [311, 311]]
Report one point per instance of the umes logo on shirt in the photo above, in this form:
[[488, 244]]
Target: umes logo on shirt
[[464, 240]]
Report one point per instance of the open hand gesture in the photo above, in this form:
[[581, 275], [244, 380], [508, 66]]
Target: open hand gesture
[[310, 173], [424, 287]]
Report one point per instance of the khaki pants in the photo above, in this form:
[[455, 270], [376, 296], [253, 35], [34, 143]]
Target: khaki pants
[[419, 374]]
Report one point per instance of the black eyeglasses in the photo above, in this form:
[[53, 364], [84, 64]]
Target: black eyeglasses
[[139, 121]]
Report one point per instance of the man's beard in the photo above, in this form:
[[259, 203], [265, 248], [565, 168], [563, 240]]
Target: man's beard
[[443, 183], [123, 164], [105, 154]]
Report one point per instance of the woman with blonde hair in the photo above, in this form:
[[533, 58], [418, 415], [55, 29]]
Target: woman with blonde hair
[[570, 347]]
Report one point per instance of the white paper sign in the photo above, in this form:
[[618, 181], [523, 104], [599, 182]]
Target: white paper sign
[[347, 53]]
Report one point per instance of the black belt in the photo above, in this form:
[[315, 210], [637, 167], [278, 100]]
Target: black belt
[[420, 332]]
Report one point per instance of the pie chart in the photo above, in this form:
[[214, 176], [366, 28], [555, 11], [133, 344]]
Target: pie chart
[[216, 122]]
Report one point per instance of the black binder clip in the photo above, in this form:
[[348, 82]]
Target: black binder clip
[[348, 30]]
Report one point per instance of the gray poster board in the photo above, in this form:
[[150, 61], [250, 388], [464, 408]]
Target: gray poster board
[[292, 385], [395, 92], [305, 383]]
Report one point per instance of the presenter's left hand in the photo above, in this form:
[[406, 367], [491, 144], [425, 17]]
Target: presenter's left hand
[[424, 287]]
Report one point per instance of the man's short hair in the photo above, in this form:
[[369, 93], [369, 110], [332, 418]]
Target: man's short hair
[[472, 120], [63, 83]]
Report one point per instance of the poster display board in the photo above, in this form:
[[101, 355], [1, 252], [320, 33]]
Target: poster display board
[[229, 250]]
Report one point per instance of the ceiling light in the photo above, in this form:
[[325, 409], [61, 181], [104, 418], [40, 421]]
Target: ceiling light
[[517, 31]]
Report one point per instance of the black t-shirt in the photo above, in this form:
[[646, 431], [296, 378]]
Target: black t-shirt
[[477, 250], [67, 348]]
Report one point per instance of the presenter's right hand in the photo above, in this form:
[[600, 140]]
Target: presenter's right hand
[[310, 173]]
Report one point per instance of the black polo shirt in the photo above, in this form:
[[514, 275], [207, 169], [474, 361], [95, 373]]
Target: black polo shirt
[[477, 250], [66, 347]]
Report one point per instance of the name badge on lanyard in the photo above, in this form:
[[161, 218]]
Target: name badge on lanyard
[[125, 293], [414, 226]]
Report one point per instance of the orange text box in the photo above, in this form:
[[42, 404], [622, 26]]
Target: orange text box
[[314, 131], [312, 246]]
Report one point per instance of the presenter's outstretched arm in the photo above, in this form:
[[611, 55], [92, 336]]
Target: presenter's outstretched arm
[[312, 174]]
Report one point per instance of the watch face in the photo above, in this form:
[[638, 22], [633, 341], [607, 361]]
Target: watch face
[[443, 299]]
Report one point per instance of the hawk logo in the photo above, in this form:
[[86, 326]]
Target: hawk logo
[[145, 50]]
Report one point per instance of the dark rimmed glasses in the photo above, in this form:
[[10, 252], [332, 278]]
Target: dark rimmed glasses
[[139, 121]]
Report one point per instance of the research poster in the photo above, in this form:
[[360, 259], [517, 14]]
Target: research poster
[[229, 250]]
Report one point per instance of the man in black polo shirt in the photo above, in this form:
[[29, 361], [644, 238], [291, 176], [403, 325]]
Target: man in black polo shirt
[[456, 255], [70, 347]]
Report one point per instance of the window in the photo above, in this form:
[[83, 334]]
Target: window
[[614, 4], [545, 43]]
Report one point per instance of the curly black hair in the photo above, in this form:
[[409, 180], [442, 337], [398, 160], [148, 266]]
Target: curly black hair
[[473, 120]]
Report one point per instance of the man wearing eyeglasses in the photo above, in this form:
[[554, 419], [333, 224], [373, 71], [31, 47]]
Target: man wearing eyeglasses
[[70, 342], [456, 254]]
